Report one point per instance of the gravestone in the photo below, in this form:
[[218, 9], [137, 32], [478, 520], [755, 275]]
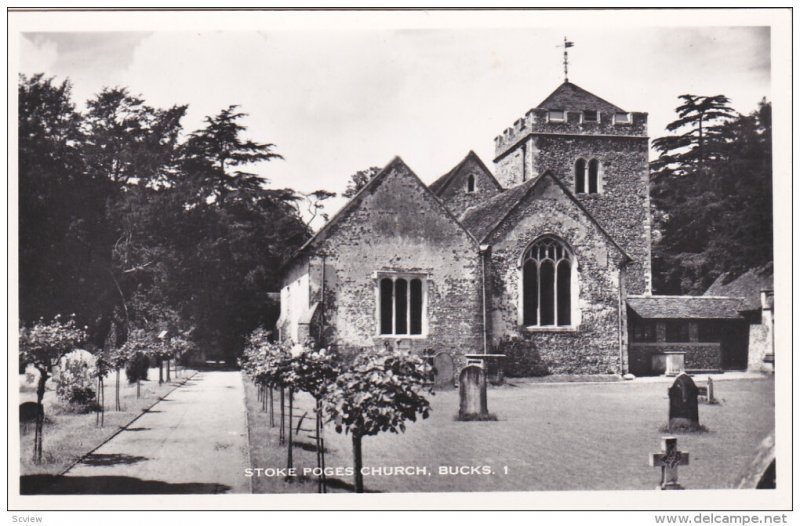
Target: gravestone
[[472, 393], [443, 370], [683, 412], [668, 459]]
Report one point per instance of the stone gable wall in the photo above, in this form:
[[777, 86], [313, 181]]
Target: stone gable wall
[[400, 226], [455, 196], [594, 346]]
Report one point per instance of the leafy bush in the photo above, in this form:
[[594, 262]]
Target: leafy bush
[[522, 359], [137, 367], [75, 383]]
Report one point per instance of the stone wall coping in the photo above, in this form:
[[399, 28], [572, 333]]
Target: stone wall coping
[[569, 328], [673, 344]]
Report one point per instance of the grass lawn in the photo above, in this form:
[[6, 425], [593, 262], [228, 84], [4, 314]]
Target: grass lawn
[[69, 436], [547, 437]]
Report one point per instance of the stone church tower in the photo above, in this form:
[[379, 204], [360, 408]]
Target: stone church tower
[[600, 152]]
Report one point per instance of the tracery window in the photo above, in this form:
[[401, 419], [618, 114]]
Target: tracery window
[[547, 292]]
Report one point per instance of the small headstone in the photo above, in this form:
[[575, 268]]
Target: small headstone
[[683, 412], [668, 459], [443, 370], [628, 376], [472, 392]]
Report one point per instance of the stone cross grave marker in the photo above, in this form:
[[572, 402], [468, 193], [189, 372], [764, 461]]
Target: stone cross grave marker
[[668, 459], [683, 412], [472, 392]]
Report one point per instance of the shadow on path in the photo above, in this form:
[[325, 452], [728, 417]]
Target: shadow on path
[[111, 459], [108, 485]]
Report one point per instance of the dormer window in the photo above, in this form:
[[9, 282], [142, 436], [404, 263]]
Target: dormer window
[[470, 183], [622, 118], [556, 116], [590, 116]]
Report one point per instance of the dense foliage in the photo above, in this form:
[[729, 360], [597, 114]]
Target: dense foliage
[[43, 344], [711, 190], [379, 392], [359, 180], [75, 383], [124, 217]]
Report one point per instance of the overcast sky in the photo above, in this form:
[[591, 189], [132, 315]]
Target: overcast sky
[[336, 101]]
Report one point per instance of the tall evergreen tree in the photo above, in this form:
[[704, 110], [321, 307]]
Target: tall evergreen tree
[[711, 195]]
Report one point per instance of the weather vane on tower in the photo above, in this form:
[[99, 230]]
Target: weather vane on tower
[[567, 44]]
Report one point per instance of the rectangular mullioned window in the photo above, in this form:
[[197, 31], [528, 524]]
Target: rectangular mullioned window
[[402, 306], [590, 116]]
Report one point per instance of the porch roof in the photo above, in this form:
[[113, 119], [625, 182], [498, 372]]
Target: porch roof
[[686, 307]]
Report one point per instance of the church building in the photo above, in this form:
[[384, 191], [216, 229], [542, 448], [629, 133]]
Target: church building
[[548, 248]]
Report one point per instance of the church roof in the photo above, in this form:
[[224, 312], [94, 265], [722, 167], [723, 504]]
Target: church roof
[[570, 97], [483, 219], [396, 164], [438, 186], [747, 285], [686, 307]]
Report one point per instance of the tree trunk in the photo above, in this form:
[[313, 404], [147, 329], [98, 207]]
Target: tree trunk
[[117, 405], [138, 388], [169, 377], [37, 436], [271, 408], [160, 371], [291, 425], [101, 400], [320, 447], [281, 431], [97, 400], [359, 478]]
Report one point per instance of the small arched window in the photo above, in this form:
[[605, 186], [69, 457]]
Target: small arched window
[[471, 183], [587, 181], [580, 176], [547, 268], [594, 174]]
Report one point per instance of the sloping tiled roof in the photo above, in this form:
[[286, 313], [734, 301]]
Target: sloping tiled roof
[[686, 307], [748, 286], [481, 219], [441, 183], [570, 97]]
